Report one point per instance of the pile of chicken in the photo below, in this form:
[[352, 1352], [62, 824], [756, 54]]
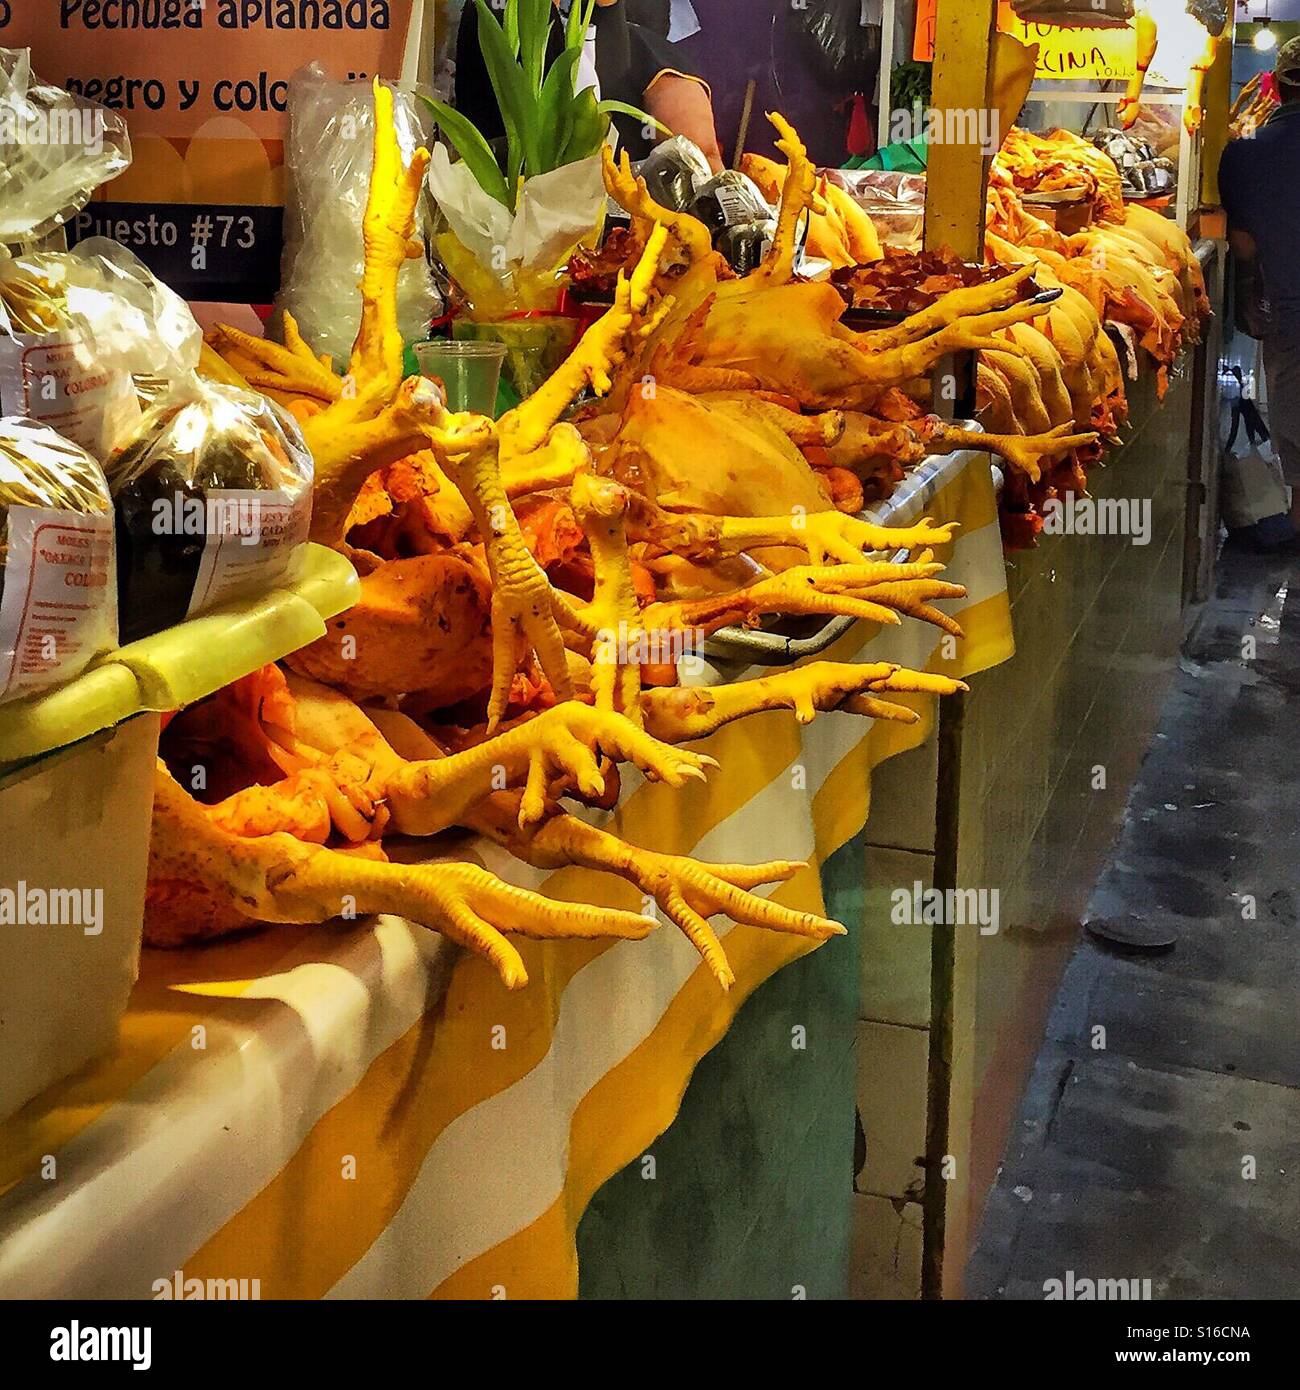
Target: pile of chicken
[[1133, 274], [468, 689], [839, 231]]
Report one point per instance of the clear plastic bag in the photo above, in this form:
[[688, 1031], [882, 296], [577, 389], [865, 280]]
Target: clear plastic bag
[[730, 199], [844, 49], [58, 148], [894, 201], [1144, 174], [674, 172], [58, 602], [329, 154], [75, 327], [213, 499]]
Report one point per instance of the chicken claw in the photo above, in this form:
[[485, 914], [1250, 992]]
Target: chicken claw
[[687, 892], [681, 715], [823, 536], [277, 878], [867, 592], [1024, 453], [566, 741]]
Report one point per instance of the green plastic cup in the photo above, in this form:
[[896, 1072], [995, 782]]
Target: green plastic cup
[[535, 347], [471, 372]]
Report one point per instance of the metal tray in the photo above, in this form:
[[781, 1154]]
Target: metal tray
[[773, 647]]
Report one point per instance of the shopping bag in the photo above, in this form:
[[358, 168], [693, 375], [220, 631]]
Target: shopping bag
[[1253, 488]]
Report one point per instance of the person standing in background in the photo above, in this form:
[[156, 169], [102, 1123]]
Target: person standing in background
[[633, 64], [1259, 182], [655, 15]]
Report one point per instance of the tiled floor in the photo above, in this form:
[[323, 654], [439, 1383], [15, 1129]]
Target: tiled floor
[[1160, 1137]]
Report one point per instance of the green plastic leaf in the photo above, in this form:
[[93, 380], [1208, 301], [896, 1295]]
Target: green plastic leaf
[[534, 31], [517, 104], [557, 108], [469, 143], [621, 108]]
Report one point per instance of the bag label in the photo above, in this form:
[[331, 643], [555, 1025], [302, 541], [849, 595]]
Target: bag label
[[49, 377], [253, 538], [59, 608]]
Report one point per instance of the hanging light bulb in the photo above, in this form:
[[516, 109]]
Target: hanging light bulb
[[1265, 39]]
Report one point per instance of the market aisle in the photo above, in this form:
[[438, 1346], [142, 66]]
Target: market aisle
[[1128, 1160]]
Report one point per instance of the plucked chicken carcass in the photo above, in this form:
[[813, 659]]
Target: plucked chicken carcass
[[1207, 21], [312, 783], [1133, 274], [770, 352], [839, 231], [1057, 162]]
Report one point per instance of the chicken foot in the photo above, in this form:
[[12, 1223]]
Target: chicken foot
[[277, 878]]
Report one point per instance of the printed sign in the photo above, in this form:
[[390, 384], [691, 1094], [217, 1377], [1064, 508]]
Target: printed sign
[[1078, 54], [203, 85], [255, 539]]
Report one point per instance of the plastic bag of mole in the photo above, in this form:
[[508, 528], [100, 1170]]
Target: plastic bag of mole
[[58, 598], [212, 493]]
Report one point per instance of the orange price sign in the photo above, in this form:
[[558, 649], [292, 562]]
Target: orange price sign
[[1064, 53], [203, 86]]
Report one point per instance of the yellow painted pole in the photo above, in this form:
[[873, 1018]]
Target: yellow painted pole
[[1214, 137], [954, 217], [963, 61]]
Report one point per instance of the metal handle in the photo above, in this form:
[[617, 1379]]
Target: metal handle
[[755, 647]]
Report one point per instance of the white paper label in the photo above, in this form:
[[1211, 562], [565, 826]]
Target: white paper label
[[736, 207], [50, 377], [252, 540], [60, 597]]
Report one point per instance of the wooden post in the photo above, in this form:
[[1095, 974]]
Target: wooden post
[[963, 60], [1214, 134], [954, 217]]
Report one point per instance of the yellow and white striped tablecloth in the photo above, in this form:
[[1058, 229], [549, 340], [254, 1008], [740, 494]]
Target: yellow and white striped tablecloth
[[361, 1111]]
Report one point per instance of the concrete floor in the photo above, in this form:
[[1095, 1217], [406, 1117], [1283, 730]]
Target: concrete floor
[[1160, 1136]]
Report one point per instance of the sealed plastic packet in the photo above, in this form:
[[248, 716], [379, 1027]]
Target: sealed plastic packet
[[58, 599], [739, 218], [329, 154], [57, 149], [212, 493], [675, 171], [50, 368]]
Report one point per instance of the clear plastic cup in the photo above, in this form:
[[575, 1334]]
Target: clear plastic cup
[[471, 372]]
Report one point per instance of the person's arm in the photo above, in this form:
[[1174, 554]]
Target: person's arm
[[685, 106], [1233, 187]]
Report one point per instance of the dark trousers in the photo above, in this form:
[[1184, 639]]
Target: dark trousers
[[1282, 366]]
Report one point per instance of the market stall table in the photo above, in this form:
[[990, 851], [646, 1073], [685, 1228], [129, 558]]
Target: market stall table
[[359, 1110]]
